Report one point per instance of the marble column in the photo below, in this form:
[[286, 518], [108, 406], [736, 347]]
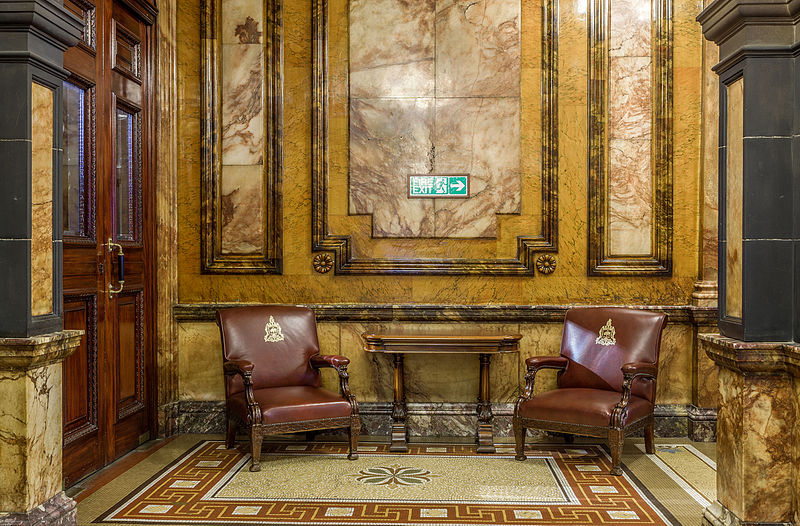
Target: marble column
[[33, 37], [757, 353]]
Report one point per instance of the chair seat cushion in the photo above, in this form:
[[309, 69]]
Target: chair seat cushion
[[590, 407], [295, 403]]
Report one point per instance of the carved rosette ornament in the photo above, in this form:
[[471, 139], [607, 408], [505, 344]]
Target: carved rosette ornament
[[323, 263], [546, 264]]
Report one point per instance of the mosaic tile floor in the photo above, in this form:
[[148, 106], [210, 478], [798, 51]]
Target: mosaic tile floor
[[194, 479]]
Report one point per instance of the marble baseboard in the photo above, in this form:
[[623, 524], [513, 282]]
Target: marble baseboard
[[200, 416], [702, 424], [719, 515], [432, 420], [56, 511]]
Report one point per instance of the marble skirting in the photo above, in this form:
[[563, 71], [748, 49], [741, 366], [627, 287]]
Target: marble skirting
[[702, 424], [59, 510], [719, 515], [442, 420]]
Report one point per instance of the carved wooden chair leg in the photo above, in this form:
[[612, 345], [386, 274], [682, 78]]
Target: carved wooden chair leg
[[355, 429], [519, 437], [255, 444], [616, 437], [230, 434], [649, 436]]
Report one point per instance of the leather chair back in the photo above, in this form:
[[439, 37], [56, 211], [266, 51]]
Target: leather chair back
[[245, 334], [597, 366]]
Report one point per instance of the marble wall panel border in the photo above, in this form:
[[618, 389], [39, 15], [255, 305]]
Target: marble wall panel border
[[601, 259], [341, 244], [266, 258], [351, 312]]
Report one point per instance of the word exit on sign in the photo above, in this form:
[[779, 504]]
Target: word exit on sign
[[450, 185]]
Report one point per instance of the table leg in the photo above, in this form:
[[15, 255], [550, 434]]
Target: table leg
[[399, 432], [485, 437]]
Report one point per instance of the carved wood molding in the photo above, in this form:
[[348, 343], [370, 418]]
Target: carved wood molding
[[601, 260], [269, 259], [342, 245]]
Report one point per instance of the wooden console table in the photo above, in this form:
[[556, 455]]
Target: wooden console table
[[483, 345]]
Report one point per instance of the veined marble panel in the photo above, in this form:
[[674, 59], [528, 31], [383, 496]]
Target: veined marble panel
[[630, 120], [389, 139], [41, 200], [392, 48], [630, 196], [242, 209], [478, 136], [734, 159], [435, 88], [477, 48], [242, 101]]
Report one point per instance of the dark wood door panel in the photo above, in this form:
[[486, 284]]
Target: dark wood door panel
[[82, 451], [80, 369], [130, 373]]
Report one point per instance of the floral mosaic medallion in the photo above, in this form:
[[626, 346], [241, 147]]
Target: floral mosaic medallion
[[394, 476]]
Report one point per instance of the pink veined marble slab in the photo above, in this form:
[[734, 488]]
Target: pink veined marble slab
[[435, 88]]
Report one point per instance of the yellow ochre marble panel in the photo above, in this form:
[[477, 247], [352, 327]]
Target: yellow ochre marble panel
[[734, 197], [200, 362], [41, 200]]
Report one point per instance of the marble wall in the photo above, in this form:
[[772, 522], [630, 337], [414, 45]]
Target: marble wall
[[197, 359], [41, 200], [446, 378], [438, 94], [569, 284]]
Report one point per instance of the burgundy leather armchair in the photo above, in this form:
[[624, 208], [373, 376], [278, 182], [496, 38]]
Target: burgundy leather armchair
[[607, 372], [272, 368]]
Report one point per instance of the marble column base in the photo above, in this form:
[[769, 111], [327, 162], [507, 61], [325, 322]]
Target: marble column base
[[56, 511], [31, 433], [757, 433], [719, 515]]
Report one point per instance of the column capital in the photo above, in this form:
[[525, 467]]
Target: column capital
[[759, 24], [23, 354]]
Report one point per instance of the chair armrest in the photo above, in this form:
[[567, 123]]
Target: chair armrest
[[244, 369], [330, 360], [240, 367], [639, 369], [630, 372], [534, 364], [546, 362], [339, 363]]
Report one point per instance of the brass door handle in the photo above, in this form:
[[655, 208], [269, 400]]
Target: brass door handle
[[120, 268]]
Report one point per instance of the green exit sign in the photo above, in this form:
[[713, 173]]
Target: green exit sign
[[427, 185]]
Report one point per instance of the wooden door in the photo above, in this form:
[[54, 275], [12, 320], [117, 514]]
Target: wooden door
[[107, 397]]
